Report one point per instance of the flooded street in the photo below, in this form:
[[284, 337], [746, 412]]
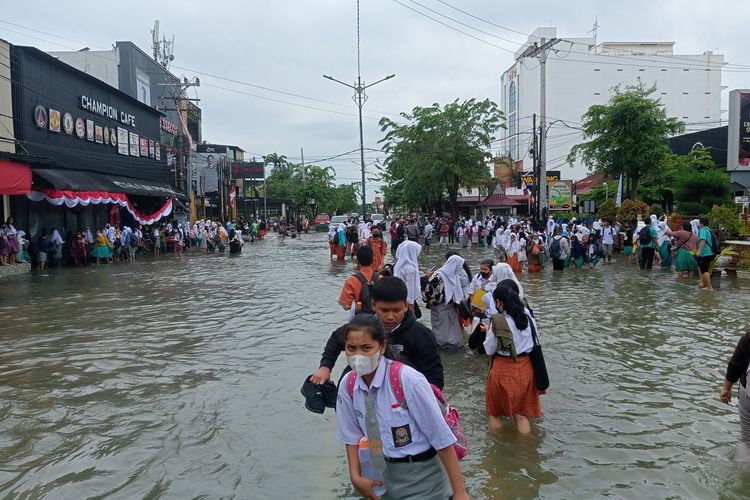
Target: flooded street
[[180, 379]]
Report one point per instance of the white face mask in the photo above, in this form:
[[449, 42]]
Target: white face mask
[[362, 364]]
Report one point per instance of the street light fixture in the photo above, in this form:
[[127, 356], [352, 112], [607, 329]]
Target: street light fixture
[[360, 97]]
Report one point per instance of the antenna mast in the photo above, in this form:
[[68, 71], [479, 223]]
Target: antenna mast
[[163, 49]]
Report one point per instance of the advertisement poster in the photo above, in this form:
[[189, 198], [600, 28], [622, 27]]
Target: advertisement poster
[[560, 195], [99, 134], [157, 151], [122, 141], [151, 153], [144, 147], [209, 158], [90, 130], [54, 120], [528, 178], [143, 87], [134, 144], [743, 159]]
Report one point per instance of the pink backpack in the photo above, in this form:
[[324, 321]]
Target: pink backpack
[[449, 413]]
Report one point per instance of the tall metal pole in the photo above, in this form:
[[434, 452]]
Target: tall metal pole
[[542, 132], [359, 98], [361, 146]]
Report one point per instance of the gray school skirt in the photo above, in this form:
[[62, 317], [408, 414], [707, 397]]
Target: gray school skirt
[[417, 480]]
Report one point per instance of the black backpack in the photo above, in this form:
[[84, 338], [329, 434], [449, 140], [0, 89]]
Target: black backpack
[[644, 236], [715, 245], [554, 249], [365, 296]]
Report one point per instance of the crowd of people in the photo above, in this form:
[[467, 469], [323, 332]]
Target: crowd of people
[[486, 312]]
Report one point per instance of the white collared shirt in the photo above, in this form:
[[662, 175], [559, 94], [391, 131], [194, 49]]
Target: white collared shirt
[[403, 431], [522, 339]]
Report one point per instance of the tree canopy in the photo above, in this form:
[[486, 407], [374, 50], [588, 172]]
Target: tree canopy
[[627, 135], [438, 150], [311, 188]]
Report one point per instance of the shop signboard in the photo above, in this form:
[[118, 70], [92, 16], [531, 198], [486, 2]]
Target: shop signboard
[[738, 143], [560, 195], [528, 178], [72, 119]]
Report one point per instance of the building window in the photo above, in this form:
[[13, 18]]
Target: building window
[[663, 69], [686, 93], [597, 93], [597, 69], [641, 69], [620, 69], [686, 69]]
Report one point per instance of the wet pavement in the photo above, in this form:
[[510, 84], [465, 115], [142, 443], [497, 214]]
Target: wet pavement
[[180, 379]]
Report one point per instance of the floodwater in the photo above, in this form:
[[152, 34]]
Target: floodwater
[[180, 379]]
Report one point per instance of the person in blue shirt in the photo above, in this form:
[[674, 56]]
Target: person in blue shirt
[[705, 255]]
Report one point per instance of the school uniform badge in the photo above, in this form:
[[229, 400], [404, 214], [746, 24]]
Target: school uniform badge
[[401, 435]]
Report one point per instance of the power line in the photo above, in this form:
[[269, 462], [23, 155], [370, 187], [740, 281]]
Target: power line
[[454, 28]]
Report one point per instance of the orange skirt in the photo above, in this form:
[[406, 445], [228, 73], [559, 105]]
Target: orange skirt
[[514, 263], [535, 268], [511, 388], [340, 252]]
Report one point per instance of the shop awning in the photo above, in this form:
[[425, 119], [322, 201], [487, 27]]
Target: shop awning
[[15, 178], [79, 180]]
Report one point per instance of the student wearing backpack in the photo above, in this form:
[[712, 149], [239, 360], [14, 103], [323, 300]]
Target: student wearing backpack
[[409, 341], [738, 369], [355, 294], [511, 385], [706, 244], [559, 250], [411, 443], [647, 237]]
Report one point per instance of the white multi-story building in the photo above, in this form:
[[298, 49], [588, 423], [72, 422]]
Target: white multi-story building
[[581, 73]]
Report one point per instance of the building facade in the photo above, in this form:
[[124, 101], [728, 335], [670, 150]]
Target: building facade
[[91, 154], [581, 73]]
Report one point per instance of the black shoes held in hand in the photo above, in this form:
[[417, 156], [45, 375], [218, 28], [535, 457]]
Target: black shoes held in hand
[[319, 397]]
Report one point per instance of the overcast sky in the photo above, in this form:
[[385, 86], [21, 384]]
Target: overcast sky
[[288, 46]]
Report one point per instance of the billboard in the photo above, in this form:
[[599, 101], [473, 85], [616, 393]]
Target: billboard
[[560, 196], [528, 178], [209, 156], [738, 155], [247, 170]]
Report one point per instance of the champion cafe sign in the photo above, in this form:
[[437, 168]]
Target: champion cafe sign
[[99, 108]]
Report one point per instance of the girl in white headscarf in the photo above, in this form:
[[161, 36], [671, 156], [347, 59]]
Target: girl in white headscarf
[[664, 242], [332, 240], [407, 268], [513, 248], [654, 222], [500, 272], [55, 246], [694, 225], [442, 293]]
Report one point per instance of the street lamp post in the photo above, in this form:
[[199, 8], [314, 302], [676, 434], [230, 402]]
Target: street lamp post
[[360, 98]]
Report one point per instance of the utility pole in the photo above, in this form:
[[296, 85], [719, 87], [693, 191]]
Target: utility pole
[[540, 51], [535, 163], [360, 97]]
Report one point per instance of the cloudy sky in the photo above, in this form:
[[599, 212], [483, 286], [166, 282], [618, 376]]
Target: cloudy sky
[[288, 45]]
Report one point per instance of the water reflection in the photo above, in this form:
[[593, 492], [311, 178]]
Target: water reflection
[[180, 378]]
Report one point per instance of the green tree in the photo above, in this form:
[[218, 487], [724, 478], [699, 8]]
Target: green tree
[[701, 184], [313, 188], [438, 150], [627, 135], [631, 209], [607, 210]]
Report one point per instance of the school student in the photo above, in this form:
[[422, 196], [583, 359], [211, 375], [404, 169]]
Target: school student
[[351, 298], [410, 444], [409, 341]]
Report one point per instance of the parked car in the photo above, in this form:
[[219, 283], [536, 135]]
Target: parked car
[[338, 219], [321, 219]]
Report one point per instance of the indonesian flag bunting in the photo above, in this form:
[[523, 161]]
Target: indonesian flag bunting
[[85, 198]]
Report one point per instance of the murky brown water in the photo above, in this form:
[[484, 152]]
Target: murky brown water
[[180, 379]]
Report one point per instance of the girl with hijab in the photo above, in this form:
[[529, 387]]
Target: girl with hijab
[[11, 236], [101, 248], [379, 249], [654, 223], [576, 252], [685, 242], [331, 240], [534, 254], [407, 268], [511, 386], [80, 256], [664, 242], [23, 254], [500, 273], [513, 250], [56, 243], [341, 242], [442, 293]]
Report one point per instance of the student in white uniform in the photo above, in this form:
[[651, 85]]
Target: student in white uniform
[[407, 440]]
